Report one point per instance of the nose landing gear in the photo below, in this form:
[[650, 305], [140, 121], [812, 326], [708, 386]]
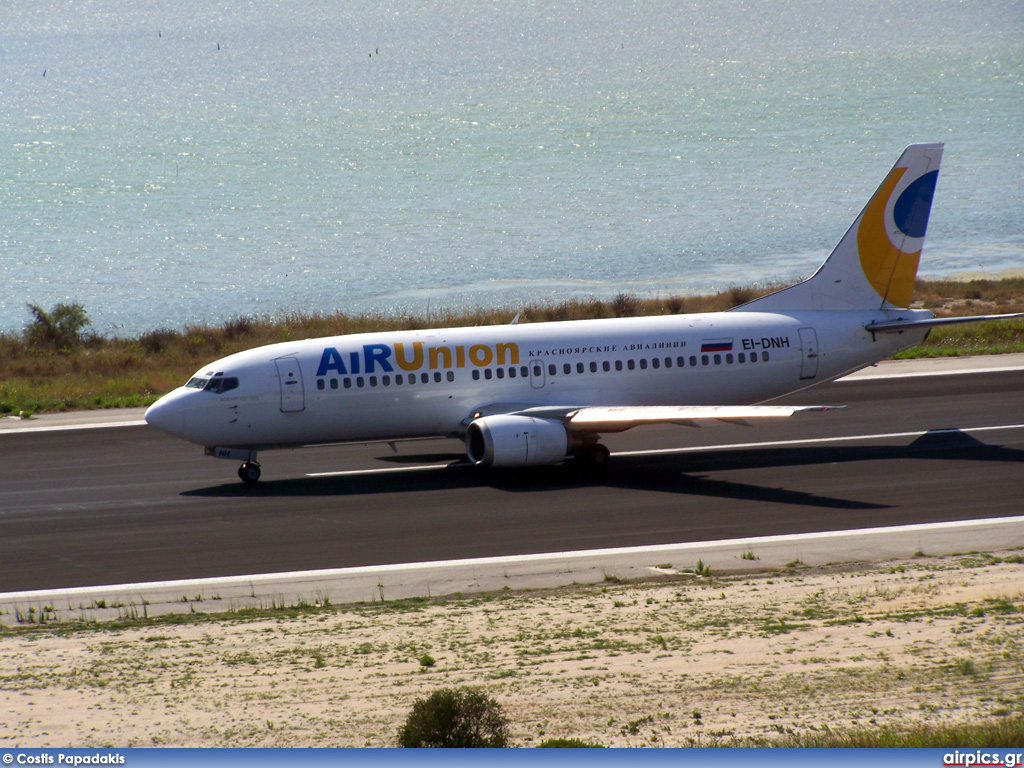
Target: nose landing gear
[[249, 472]]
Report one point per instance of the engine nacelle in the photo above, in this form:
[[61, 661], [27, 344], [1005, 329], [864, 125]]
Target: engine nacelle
[[516, 441]]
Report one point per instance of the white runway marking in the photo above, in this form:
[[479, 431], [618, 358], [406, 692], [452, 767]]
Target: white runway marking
[[814, 441], [861, 375], [656, 550], [386, 470], [69, 427]]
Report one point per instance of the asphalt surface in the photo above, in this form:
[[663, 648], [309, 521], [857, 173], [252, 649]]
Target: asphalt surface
[[128, 504]]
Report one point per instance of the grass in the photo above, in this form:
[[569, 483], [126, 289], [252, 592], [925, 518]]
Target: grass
[[116, 372], [1000, 733]]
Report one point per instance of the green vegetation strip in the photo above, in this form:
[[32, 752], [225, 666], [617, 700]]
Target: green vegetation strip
[[57, 364]]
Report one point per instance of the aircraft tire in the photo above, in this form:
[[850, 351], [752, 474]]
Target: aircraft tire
[[249, 472]]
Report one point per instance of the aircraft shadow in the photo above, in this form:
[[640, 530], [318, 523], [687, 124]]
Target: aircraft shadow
[[678, 473]]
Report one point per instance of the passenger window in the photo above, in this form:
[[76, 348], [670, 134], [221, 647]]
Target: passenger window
[[451, 376], [373, 381], [668, 362], [593, 367], [319, 383], [631, 364], [334, 383], [425, 378], [742, 358], [643, 364], [566, 368], [399, 379], [606, 366], [764, 357], [537, 370], [360, 382], [476, 374], [487, 373], [579, 368], [500, 373], [693, 361], [704, 360], [385, 380], [511, 373], [728, 358], [551, 370], [437, 377], [618, 365], [348, 383], [525, 372]]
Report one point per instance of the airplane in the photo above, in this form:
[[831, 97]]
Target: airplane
[[524, 395]]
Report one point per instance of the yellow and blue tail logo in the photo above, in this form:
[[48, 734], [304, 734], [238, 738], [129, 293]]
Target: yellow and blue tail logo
[[891, 230], [875, 264]]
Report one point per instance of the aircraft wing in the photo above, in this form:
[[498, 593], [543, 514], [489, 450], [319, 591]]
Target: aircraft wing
[[594, 419]]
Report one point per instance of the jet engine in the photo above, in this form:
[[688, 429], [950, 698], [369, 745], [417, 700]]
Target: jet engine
[[516, 441]]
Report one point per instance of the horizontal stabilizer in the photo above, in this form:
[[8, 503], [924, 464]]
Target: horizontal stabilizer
[[884, 326], [627, 417]]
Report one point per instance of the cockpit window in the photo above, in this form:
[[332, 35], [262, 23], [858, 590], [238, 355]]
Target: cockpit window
[[222, 384], [218, 384]]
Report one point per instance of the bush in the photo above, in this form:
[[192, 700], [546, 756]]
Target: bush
[[568, 744], [63, 327], [455, 717], [625, 305]]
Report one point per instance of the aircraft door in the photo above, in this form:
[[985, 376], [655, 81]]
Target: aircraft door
[[809, 352], [536, 374], [293, 396]]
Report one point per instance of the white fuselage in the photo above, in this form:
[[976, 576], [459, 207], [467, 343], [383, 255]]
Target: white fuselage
[[416, 383]]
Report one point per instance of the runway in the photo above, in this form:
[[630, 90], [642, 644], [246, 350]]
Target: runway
[[128, 505]]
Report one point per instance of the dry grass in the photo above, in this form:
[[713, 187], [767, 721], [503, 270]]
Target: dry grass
[[126, 372], [949, 298]]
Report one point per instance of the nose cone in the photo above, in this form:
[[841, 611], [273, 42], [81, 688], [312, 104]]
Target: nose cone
[[168, 414]]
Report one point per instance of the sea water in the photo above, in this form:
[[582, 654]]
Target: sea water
[[168, 163]]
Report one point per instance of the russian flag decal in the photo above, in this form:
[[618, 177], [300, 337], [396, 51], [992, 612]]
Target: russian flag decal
[[716, 345]]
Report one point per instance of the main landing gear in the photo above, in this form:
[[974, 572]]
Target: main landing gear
[[593, 458], [249, 472]]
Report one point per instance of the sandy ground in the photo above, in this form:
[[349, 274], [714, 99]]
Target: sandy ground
[[678, 661]]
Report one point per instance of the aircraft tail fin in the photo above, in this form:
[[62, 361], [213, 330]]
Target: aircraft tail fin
[[875, 264]]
